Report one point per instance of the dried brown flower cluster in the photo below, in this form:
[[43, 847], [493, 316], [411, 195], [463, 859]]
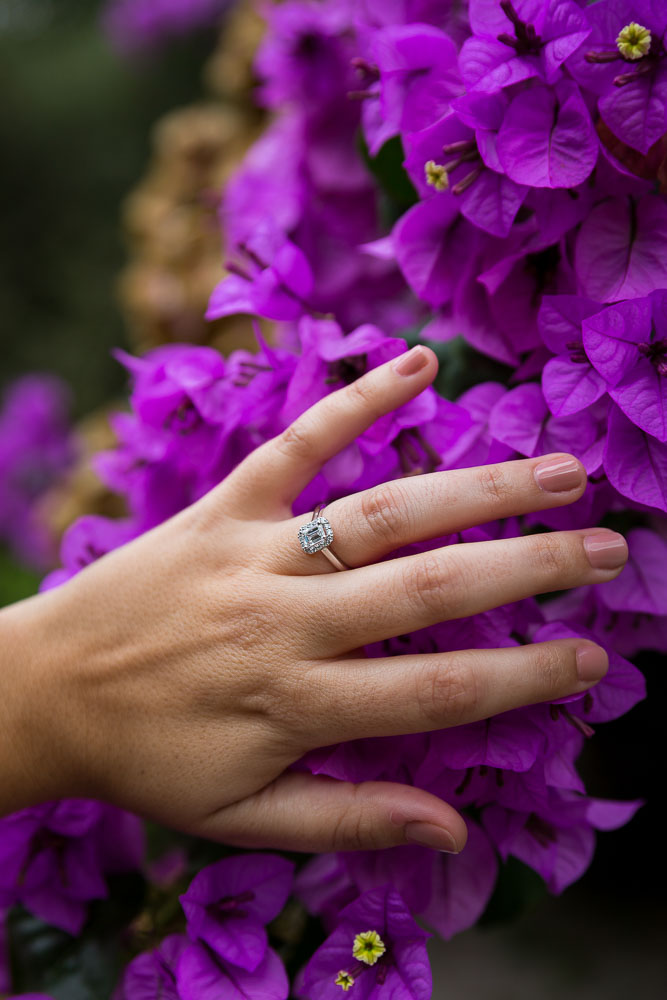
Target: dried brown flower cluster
[[171, 217]]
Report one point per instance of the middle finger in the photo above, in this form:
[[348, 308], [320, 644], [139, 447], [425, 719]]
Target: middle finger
[[371, 524], [402, 595]]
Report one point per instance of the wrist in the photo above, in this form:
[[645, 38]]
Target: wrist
[[32, 757]]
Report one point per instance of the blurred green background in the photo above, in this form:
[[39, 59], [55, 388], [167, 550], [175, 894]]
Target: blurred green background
[[75, 122]]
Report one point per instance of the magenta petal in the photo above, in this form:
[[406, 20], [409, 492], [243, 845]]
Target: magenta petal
[[637, 112], [610, 337], [424, 250], [462, 885], [635, 462], [241, 941], [201, 976], [570, 387], [620, 249], [492, 201], [487, 65], [560, 318], [232, 295], [642, 586], [548, 138]]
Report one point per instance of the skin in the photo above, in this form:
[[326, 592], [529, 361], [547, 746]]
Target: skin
[[181, 675]]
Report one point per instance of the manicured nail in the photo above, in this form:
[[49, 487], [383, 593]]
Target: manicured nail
[[430, 835], [606, 549], [592, 663], [559, 476], [412, 362]]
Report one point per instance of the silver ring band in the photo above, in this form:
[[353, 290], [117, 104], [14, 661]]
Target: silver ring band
[[317, 536]]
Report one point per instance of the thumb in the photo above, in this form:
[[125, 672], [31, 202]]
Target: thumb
[[305, 812]]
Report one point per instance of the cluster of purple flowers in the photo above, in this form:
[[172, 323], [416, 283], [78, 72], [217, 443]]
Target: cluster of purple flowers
[[531, 132], [36, 446], [133, 25]]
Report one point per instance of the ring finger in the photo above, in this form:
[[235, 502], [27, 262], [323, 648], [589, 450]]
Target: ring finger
[[405, 594], [371, 524]]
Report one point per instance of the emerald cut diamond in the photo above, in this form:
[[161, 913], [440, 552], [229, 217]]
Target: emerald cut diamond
[[316, 535]]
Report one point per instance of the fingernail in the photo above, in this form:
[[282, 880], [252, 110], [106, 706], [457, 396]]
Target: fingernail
[[559, 475], [592, 663], [412, 362], [430, 835], [606, 549]]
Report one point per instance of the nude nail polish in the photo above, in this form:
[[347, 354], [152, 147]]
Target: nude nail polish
[[412, 362], [606, 549], [559, 476], [592, 663], [430, 835]]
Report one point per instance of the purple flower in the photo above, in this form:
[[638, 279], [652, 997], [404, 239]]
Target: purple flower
[[418, 75], [522, 420], [547, 139], [627, 344], [229, 903], [642, 586], [516, 41], [203, 975], [136, 24], [632, 87], [392, 949], [635, 462], [272, 279], [53, 857], [619, 249], [557, 839], [569, 381], [450, 156], [153, 974], [36, 448], [306, 56]]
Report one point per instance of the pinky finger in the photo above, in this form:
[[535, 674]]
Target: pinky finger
[[305, 812]]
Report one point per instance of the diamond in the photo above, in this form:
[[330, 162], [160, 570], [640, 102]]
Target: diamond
[[316, 535]]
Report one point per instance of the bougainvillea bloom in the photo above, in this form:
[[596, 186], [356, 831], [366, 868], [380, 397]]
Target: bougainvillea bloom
[[229, 904], [487, 177], [389, 959]]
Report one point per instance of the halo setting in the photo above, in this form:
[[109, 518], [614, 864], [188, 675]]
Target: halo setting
[[316, 535]]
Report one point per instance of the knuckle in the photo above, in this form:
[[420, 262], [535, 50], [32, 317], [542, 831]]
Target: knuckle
[[446, 694], [550, 554], [550, 664], [432, 585], [363, 393], [494, 484], [295, 441], [354, 829], [384, 513]]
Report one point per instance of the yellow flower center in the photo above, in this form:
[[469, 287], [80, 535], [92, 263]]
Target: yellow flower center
[[345, 980], [436, 175], [634, 41], [368, 947]]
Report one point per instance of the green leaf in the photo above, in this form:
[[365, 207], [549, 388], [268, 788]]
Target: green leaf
[[517, 890]]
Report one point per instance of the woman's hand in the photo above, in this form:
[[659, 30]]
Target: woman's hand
[[182, 674]]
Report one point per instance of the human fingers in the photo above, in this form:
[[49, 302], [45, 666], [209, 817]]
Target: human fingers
[[393, 696], [375, 522], [274, 474], [305, 812], [402, 595]]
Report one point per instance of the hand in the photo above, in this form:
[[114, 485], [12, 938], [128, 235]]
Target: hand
[[182, 674]]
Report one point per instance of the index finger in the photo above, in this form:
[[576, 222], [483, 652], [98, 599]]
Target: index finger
[[271, 477]]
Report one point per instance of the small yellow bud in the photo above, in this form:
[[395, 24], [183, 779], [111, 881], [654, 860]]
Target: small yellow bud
[[436, 175], [345, 980], [634, 41], [368, 947]]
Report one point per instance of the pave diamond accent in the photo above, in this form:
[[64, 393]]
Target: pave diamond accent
[[316, 535]]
